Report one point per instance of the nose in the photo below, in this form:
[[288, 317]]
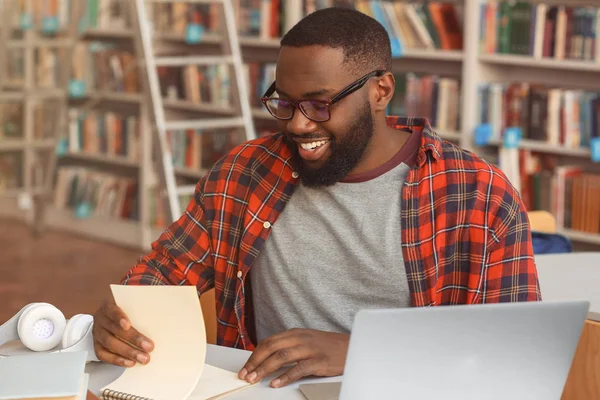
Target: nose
[[299, 124]]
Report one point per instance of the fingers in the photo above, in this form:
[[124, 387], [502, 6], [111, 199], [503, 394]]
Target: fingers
[[115, 314], [118, 348], [115, 340], [276, 361], [104, 355], [114, 320], [266, 349], [302, 369]]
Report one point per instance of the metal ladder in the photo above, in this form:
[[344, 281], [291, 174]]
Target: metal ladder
[[231, 55]]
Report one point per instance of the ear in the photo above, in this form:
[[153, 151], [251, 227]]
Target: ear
[[384, 91]]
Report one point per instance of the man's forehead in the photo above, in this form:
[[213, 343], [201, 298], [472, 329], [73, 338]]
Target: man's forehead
[[309, 68]]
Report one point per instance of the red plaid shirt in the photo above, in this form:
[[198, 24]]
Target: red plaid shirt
[[465, 232]]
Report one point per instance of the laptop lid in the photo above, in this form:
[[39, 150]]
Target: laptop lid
[[494, 351]]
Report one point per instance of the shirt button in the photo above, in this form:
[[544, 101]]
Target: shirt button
[[239, 274], [295, 174], [266, 225]]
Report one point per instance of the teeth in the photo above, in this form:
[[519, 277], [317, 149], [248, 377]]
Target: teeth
[[313, 145]]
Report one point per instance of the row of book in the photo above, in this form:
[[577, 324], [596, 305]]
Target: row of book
[[44, 120], [551, 115], [101, 66], [567, 191], [418, 25], [258, 18], [107, 133], [197, 84], [421, 24], [430, 96], [199, 150], [259, 76], [51, 17], [89, 193], [212, 85], [11, 170], [46, 67], [540, 30], [174, 18], [104, 14], [11, 120]]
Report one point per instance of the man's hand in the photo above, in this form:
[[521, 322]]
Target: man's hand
[[314, 352], [115, 340]]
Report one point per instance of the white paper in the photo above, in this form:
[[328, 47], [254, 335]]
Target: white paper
[[171, 316]]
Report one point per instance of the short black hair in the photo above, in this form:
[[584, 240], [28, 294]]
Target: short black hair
[[365, 41]]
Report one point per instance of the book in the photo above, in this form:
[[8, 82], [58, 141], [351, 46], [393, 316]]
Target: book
[[172, 317], [56, 376]]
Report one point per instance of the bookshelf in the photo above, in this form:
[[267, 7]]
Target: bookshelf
[[471, 64], [30, 96], [104, 164], [550, 45]]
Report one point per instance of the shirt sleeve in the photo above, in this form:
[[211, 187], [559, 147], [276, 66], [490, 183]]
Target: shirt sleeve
[[182, 254], [510, 273]]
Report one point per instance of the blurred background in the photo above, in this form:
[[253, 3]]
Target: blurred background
[[83, 186]]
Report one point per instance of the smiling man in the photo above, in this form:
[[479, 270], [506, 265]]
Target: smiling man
[[346, 208]]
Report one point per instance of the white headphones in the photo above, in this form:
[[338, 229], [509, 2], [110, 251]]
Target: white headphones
[[42, 327]]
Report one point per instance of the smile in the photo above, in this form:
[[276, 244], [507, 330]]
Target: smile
[[312, 145], [313, 151]]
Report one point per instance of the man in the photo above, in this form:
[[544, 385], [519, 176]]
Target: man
[[344, 209]]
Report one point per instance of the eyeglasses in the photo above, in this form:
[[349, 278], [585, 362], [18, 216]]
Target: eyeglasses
[[315, 110]]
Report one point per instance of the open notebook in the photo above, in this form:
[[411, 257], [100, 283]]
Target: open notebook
[[171, 316]]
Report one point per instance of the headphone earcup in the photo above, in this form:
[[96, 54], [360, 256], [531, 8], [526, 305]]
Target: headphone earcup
[[41, 327], [75, 329]]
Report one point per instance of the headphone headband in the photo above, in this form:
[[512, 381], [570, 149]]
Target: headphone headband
[[8, 330]]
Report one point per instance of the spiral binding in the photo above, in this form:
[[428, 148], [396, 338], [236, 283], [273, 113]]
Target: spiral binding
[[108, 394]]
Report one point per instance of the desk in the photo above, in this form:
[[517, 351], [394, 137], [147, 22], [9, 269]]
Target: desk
[[223, 357], [576, 276], [562, 277], [572, 276]]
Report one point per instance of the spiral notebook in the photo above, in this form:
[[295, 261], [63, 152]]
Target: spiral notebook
[[172, 317]]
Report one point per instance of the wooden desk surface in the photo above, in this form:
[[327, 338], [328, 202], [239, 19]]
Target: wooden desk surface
[[583, 382]]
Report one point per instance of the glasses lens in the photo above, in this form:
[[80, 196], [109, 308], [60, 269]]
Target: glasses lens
[[280, 108], [315, 110]]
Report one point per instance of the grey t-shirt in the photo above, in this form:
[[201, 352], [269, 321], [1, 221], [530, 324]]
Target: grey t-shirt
[[332, 252]]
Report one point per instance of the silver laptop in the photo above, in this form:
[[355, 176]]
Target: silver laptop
[[495, 351]]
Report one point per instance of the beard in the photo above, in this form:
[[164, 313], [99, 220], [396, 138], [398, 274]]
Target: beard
[[346, 153]]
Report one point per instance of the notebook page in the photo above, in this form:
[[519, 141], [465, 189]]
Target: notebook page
[[171, 316], [216, 381]]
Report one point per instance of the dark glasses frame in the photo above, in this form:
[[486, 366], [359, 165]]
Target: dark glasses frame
[[351, 88]]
